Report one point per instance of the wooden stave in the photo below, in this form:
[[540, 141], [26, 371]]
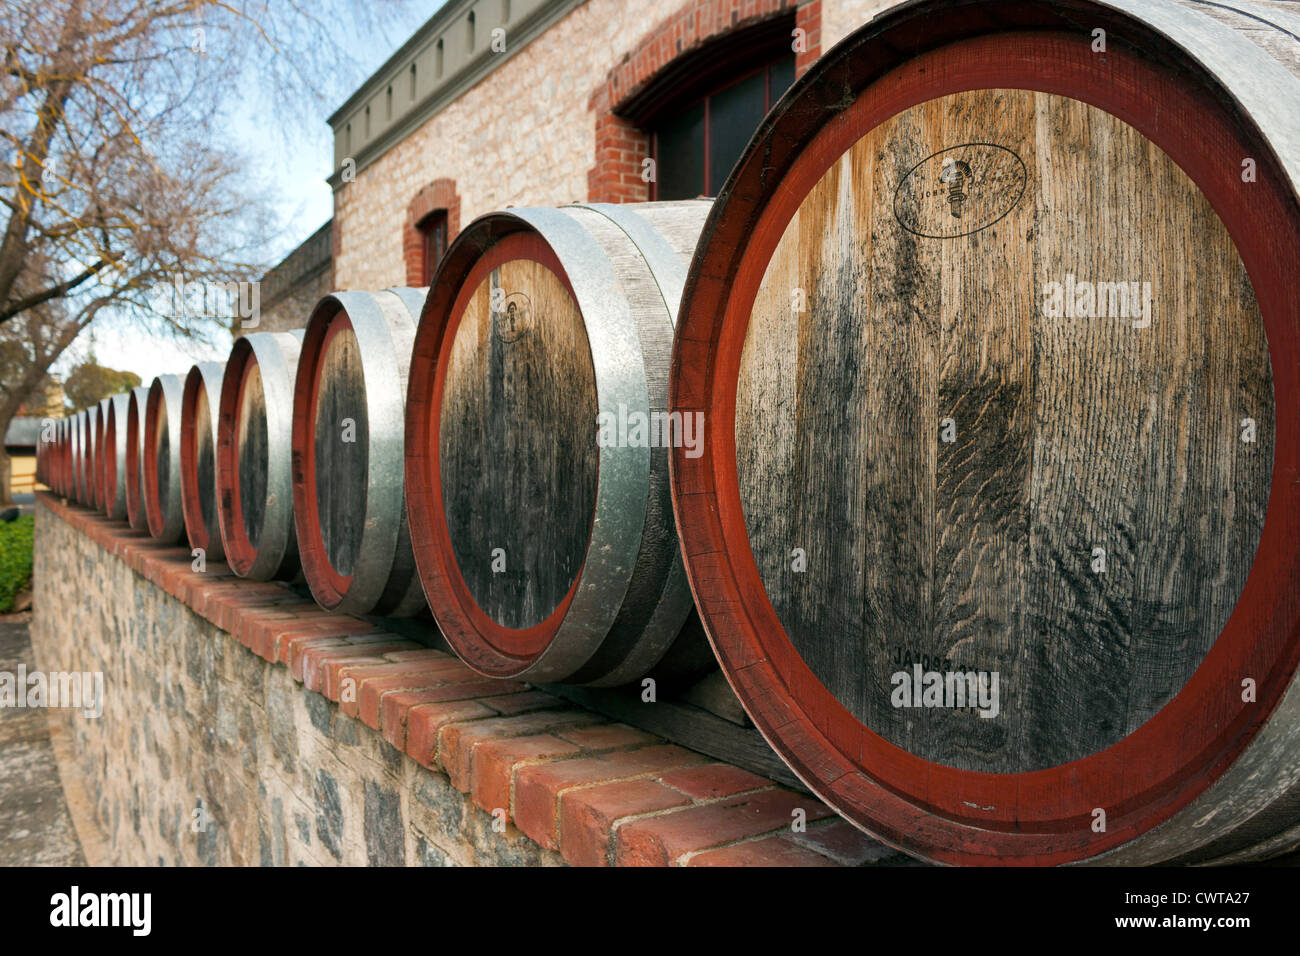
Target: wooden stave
[[74, 457], [133, 468], [1201, 42], [276, 553], [164, 407], [619, 504], [206, 376], [99, 464], [384, 579], [89, 429], [113, 466]]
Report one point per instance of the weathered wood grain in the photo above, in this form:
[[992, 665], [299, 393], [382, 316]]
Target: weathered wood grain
[[518, 459], [342, 450], [1070, 433], [252, 450]]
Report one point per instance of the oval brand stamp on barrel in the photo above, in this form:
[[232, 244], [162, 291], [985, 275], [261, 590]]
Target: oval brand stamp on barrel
[[959, 190]]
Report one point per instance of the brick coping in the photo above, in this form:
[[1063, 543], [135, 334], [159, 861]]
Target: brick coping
[[597, 792]]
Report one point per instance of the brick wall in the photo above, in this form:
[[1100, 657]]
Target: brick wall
[[314, 738], [540, 129]]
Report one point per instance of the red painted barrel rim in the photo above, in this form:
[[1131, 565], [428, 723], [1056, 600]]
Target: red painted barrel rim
[[240, 551], [487, 645], [328, 586], [1041, 816], [196, 529]]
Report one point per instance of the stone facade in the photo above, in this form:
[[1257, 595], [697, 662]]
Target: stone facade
[[526, 134]]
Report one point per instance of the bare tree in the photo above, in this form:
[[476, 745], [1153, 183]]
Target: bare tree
[[121, 178]]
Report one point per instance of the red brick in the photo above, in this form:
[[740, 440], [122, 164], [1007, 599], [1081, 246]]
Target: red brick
[[456, 742], [424, 721], [587, 816], [494, 762], [522, 703], [538, 789], [714, 780], [608, 737], [421, 654], [661, 841], [433, 687], [770, 851], [315, 660]]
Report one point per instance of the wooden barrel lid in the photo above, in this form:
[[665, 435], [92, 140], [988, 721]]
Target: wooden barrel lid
[[349, 452], [939, 439], [162, 459], [136, 412], [254, 433], [198, 458], [546, 552]]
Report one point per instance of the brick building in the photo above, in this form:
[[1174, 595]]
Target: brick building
[[496, 103]]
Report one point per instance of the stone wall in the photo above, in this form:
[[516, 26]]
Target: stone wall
[[243, 725]]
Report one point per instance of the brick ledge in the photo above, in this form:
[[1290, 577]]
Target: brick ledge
[[597, 792]]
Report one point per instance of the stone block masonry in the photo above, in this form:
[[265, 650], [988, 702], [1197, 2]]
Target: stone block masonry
[[242, 725]]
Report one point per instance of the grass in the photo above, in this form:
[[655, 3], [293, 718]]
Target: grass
[[15, 558]]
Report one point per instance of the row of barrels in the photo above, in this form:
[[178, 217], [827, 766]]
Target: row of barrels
[[984, 363]]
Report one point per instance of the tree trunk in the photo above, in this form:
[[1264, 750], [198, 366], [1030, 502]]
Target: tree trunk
[[6, 492]]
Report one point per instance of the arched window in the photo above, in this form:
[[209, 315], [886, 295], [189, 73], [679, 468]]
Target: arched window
[[696, 145], [700, 111]]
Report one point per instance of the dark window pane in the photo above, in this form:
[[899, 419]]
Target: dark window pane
[[782, 77], [680, 166], [734, 114]]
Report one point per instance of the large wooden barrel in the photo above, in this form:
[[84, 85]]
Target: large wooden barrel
[[74, 455], [200, 398], [112, 470], [161, 483], [254, 433], [349, 499], [136, 413], [546, 553], [89, 434], [995, 336], [100, 457]]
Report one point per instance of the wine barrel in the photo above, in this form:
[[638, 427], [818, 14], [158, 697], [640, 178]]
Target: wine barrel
[[74, 451], [993, 336], [161, 484], [136, 413], [72, 481], [200, 397], [89, 434], [97, 465], [254, 433], [349, 500], [547, 549], [112, 472]]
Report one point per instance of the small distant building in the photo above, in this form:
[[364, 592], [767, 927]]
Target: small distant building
[[20, 444], [290, 290]]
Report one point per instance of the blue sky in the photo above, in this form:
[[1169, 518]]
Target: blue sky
[[296, 175]]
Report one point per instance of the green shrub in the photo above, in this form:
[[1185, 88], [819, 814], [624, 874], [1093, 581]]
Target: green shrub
[[15, 558]]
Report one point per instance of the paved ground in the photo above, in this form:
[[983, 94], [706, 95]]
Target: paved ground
[[35, 827]]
